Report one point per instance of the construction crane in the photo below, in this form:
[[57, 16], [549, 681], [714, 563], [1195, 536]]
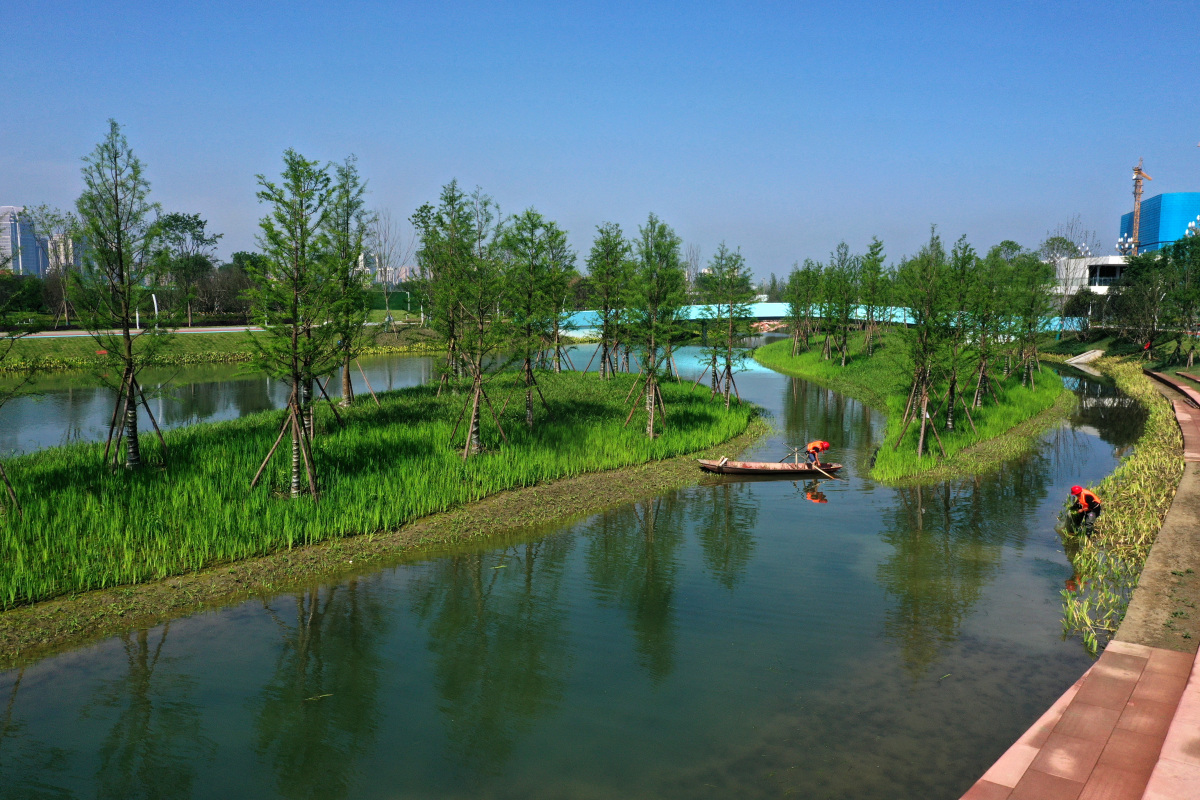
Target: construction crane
[[1138, 175]]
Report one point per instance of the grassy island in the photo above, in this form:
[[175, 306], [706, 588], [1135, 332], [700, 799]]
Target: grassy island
[[86, 526], [1004, 425]]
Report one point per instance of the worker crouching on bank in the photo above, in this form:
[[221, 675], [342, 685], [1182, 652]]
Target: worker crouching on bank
[[1085, 509]]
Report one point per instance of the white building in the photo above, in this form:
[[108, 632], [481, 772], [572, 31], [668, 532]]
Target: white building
[[1097, 273]]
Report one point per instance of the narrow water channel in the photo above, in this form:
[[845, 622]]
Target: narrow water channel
[[826, 639]]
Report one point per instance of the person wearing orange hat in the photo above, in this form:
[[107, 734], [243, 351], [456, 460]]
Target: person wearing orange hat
[[813, 451], [1086, 507]]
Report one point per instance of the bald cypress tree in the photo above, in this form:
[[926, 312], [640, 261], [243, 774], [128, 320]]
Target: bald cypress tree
[[657, 292], [116, 279]]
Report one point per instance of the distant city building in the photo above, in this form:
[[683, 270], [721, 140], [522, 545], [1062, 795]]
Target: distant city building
[[1096, 273], [18, 243], [1164, 219]]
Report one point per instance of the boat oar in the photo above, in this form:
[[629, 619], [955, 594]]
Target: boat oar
[[826, 474]]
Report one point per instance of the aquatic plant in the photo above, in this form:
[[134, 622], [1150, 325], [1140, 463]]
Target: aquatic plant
[[86, 528], [1136, 496]]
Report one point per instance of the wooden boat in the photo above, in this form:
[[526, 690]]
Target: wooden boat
[[782, 469]]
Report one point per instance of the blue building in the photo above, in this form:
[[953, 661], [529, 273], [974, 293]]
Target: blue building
[[1165, 218]]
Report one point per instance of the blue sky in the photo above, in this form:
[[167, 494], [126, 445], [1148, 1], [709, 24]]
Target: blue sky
[[778, 128]]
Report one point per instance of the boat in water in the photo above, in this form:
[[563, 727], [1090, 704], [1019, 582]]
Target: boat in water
[[780, 468]]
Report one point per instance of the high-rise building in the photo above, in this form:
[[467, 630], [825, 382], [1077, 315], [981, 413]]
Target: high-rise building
[[19, 250], [1164, 219]]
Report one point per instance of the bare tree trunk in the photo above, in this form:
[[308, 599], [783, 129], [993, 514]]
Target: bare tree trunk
[[650, 402], [924, 421], [557, 350], [306, 409], [950, 407], [473, 445], [347, 388], [133, 450], [297, 455], [528, 393]]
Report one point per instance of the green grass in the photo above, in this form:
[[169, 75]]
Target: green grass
[[81, 352], [882, 381], [86, 526]]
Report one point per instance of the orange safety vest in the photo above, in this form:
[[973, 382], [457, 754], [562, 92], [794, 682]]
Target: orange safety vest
[[1087, 499], [813, 447]]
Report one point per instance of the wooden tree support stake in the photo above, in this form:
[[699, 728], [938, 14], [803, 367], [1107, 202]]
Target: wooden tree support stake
[[282, 430], [11, 492], [332, 405], [368, 382], [150, 414]]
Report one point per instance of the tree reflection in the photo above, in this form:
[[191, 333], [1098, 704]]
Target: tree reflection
[[632, 562], [497, 630], [27, 763], [319, 710], [725, 525], [948, 541], [155, 740], [811, 411]]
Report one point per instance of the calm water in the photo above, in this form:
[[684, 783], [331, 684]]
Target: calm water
[[833, 639], [76, 406]]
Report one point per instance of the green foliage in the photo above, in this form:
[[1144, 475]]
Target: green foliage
[[118, 270], [802, 294], [186, 253], [874, 290], [346, 224], [537, 264], [85, 528], [294, 286], [655, 298], [610, 267], [840, 291], [727, 293], [1158, 299]]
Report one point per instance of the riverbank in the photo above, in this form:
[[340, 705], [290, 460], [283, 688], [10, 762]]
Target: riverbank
[[87, 528], [1001, 432], [189, 346], [1138, 571]]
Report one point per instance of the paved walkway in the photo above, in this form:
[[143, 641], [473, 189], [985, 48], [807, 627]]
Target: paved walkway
[[1126, 730], [1129, 729]]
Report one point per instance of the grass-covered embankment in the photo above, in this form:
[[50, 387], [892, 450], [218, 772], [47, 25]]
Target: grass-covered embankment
[[86, 527], [188, 346], [1136, 496], [1002, 430]]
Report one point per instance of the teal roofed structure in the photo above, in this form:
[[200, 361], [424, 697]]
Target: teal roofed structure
[[1165, 219]]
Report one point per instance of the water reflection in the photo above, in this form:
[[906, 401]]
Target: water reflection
[[155, 743], [498, 634], [726, 526], [318, 712], [633, 565]]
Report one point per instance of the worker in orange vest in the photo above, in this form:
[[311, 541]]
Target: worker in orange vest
[[1086, 507], [813, 451]]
